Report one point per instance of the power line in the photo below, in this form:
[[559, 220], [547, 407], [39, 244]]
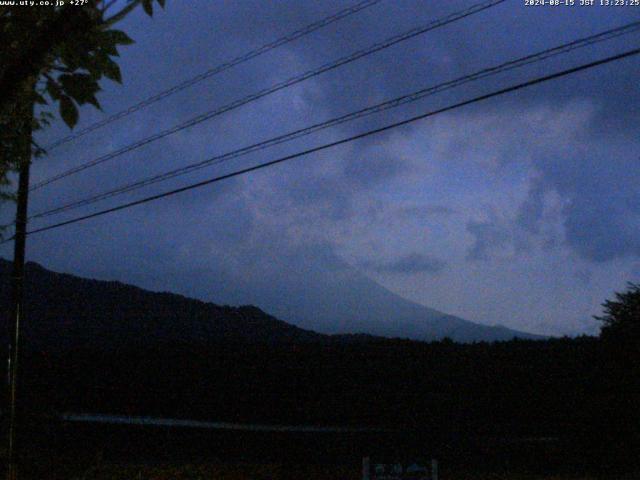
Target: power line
[[477, 8], [279, 86], [396, 102], [243, 171], [218, 69]]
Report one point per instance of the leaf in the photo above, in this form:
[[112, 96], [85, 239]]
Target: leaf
[[148, 7], [161, 3], [69, 56], [81, 87], [94, 101], [122, 13], [68, 111], [110, 48], [118, 37], [95, 64], [53, 89], [111, 70], [39, 99], [100, 64]]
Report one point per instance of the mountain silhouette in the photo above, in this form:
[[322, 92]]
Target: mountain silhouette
[[342, 300], [66, 311]]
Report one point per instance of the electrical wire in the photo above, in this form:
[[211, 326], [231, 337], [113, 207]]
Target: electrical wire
[[216, 70], [326, 146], [396, 102], [474, 9]]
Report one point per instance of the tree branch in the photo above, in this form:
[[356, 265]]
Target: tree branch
[[122, 13]]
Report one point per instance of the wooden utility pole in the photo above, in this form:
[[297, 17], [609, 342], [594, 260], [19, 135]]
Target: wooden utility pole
[[17, 315], [17, 299]]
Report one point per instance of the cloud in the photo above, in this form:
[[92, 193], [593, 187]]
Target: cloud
[[581, 191], [544, 179], [372, 167], [596, 181], [487, 237], [408, 264]]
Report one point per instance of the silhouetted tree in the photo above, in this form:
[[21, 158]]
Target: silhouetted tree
[[621, 319], [617, 418], [52, 55]]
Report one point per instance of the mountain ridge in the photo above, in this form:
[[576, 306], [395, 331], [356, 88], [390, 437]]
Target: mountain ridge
[[73, 311]]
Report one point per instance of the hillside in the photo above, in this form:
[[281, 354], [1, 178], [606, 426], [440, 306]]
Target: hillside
[[65, 310]]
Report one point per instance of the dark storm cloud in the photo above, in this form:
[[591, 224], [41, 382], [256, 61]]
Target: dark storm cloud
[[602, 215]]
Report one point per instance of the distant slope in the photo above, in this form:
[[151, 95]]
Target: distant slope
[[341, 300], [65, 310]]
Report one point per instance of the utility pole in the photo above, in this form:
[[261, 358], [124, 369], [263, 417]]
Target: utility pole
[[17, 299]]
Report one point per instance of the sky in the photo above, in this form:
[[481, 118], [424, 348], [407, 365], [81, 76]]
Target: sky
[[522, 210]]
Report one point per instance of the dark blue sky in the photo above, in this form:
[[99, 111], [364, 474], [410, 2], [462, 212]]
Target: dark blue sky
[[523, 210]]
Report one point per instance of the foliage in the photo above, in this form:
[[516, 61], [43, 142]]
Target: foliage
[[54, 55], [621, 319]]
